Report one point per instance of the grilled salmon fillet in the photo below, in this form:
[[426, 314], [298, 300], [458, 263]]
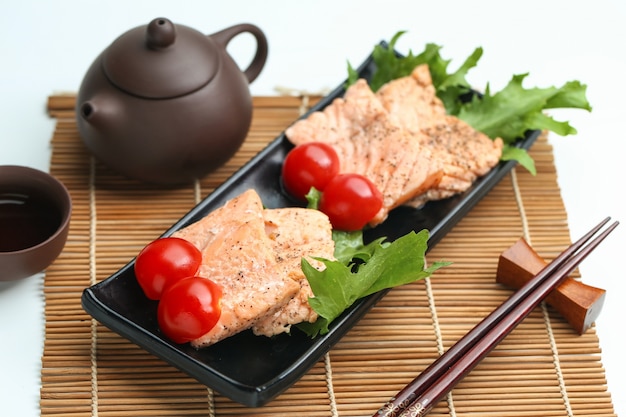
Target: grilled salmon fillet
[[412, 101], [295, 233], [464, 153], [238, 254], [255, 255], [402, 140], [367, 142]]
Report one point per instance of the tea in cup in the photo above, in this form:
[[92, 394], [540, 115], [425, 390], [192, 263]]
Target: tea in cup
[[35, 210]]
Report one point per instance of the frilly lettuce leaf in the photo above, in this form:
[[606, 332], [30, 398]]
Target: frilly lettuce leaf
[[507, 114], [374, 267]]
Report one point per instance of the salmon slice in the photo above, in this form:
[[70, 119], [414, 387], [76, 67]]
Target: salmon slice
[[402, 139], [466, 155], [398, 165], [412, 101], [463, 152], [295, 233], [367, 142], [238, 255], [336, 126]]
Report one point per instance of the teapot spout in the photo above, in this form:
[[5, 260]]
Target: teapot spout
[[99, 112]]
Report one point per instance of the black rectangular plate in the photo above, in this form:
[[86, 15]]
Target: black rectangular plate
[[249, 369]]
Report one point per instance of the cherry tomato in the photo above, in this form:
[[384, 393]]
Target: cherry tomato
[[308, 165], [350, 201], [165, 261], [189, 308]]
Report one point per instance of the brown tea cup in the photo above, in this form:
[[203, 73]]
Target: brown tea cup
[[35, 211]]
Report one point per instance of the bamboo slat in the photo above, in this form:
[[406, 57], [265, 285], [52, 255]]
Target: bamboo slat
[[542, 369]]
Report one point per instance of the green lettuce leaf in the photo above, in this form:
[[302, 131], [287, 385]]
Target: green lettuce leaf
[[507, 114], [386, 265], [512, 153]]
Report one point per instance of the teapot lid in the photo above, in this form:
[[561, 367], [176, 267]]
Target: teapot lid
[[161, 60]]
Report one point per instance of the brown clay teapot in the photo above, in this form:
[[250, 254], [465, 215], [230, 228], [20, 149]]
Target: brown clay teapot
[[166, 104]]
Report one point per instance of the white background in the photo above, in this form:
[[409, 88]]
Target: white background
[[46, 47]]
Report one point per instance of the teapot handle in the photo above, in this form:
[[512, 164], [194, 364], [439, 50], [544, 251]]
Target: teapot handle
[[223, 37]]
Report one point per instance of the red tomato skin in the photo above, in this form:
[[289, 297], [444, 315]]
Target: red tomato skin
[[308, 165], [189, 308], [163, 262], [350, 201]]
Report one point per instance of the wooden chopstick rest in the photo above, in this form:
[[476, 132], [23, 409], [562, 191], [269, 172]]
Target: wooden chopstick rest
[[578, 303]]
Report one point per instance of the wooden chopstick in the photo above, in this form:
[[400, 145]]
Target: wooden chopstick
[[421, 394]]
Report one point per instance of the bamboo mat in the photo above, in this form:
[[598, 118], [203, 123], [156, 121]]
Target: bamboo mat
[[542, 369]]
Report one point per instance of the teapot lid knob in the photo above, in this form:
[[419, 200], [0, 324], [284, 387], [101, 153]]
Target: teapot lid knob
[[161, 60], [161, 33]]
